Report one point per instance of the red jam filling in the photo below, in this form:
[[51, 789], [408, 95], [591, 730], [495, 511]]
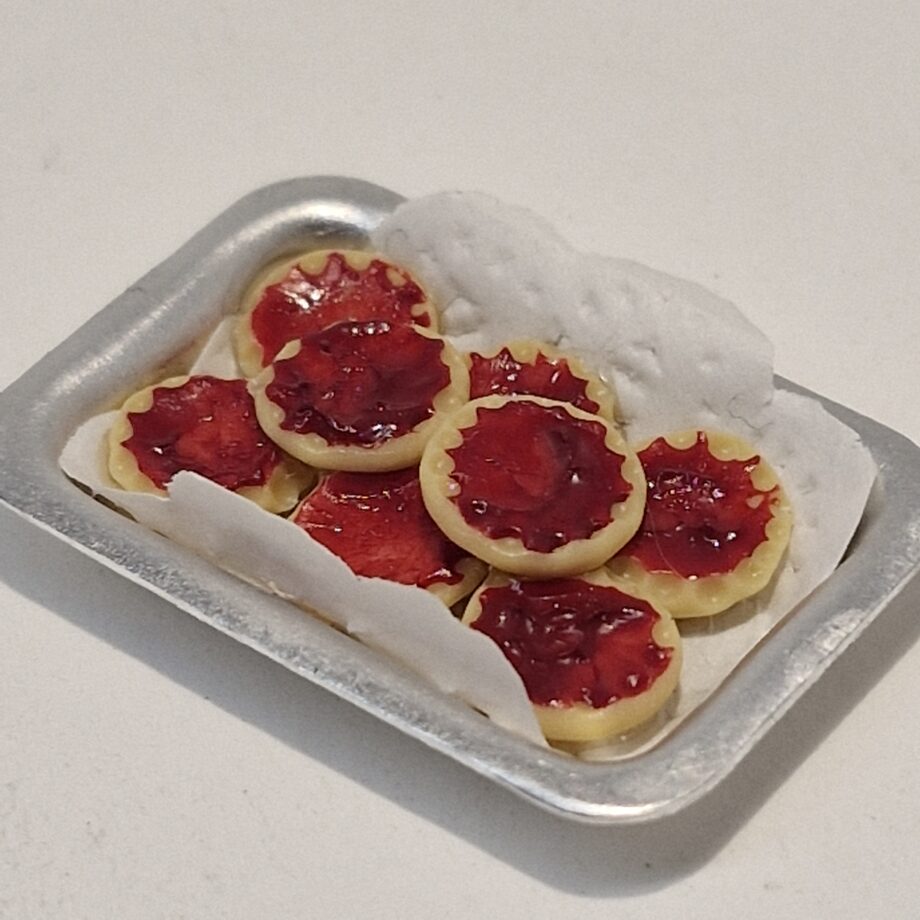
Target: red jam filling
[[574, 642], [207, 426], [538, 474], [302, 302], [360, 384], [702, 515], [549, 377], [378, 525]]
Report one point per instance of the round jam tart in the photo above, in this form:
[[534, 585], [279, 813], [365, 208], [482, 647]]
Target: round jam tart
[[208, 426], [716, 524], [319, 289], [532, 368], [594, 660], [378, 525], [533, 486], [360, 396]]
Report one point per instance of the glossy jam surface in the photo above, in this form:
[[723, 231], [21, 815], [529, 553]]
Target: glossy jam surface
[[378, 525], [537, 474], [360, 384], [503, 375], [574, 642], [207, 426], [303, 302], [702, 515]]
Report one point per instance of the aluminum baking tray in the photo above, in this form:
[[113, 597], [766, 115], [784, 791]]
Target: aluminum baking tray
[[176, 303]]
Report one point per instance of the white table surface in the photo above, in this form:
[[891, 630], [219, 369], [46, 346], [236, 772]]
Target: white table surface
[[152, 768]]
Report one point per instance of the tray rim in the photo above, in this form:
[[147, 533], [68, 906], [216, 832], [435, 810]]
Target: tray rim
[[38, 409]]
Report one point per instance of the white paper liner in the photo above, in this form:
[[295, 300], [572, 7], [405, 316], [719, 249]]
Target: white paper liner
[[675, 354], [677, 357]]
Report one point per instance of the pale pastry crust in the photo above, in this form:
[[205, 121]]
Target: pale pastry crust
[[394, 454], [581, 722], [509, 553], [249, 351], [281, 492], [526, 351], [710, 594], [473, 571]]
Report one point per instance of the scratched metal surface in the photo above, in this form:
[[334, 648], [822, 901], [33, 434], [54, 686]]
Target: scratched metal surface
[[178, 301]]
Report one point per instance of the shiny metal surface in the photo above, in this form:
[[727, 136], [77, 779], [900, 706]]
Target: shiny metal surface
[[178, 301]]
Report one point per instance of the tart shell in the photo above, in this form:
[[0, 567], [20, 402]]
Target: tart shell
[[581, 723], [706, 595], [509, 553], [281, 492], [471, 570], [527, 351], [249, 351], [395, 454]]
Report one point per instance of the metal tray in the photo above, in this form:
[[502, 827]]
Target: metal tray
[[180, 300]]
